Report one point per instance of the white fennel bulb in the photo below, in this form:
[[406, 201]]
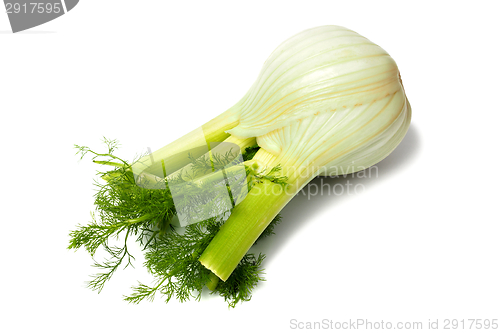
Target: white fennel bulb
[[328, 101], [327, 98]]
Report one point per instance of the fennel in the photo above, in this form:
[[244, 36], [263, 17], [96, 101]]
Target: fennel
[[327, 100]]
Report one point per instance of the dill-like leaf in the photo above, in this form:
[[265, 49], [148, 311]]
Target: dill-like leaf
[[171, 254], [121, 207], [173, 261], [239, 286], [250, 152]]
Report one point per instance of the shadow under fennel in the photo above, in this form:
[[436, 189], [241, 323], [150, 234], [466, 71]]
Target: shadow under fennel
[[304, 206]]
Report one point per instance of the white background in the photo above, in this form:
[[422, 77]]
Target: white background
[[420, 242]]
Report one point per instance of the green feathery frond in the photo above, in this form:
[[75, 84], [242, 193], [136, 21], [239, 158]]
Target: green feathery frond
[[125, 210]]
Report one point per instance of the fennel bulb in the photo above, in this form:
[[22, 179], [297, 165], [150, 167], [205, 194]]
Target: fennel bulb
[[328, 101]]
